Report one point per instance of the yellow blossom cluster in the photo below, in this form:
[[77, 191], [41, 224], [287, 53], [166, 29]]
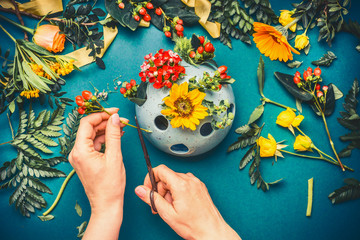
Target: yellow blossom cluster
[[30, 93], [56, 67]]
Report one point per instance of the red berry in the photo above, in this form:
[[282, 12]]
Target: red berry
[[317, 87], [147, 18], [317, 71], [128, 86], [309, 70], [142, 11], [202, 39], [87, 95], [222, 69], [180, 21], [149, 5], [132, 82], [200, 49], [223, 75], [297, 80], [79, 98], [158, 11], [305, 75], [179, 28], [192, 54], [121, 5], [297, 74], [180, 34], [80, 102], [81, 111], [168, 34], [319, 94], [168, 84], [209, 47], [220, 86], [325, 88], [137, 18], [122, 90]]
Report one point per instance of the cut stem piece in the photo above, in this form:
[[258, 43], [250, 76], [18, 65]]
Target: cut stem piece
[[310, 196]]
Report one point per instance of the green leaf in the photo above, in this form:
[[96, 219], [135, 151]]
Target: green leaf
[[256, 114], [287, 81], [249, 155], [261, 76], [348, 192], [325, 60], [337, 92], [243, 129], [12, 106], [46, 218], [294, 64], [78, 209], [81, 229]]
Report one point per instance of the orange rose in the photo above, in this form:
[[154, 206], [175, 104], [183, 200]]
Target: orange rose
[[48, 37]]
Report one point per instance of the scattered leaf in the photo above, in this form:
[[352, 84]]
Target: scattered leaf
[[348, 192], [256, 114], [78, 209], [46, 218], [81, 229], [325, 60], [294, 64]]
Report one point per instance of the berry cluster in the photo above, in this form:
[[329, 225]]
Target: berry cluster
[[162, 69], [129, 89], [213, 83], [204, 51], [177, 26], [310, 82], [88, 103], [140, 11]]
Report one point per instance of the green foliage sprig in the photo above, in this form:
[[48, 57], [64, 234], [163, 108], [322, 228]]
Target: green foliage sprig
[[24, 172], [235, 22], [348, 192], [262, 10], [353, 27], [5, 58], [325, 60], [350, 119]]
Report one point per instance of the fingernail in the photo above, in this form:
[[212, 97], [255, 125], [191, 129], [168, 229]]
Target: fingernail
[[115, 119], [140, 191]]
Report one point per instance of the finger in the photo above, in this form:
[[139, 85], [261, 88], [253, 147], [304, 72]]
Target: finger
[[98, 142], [113, 138], [164, 174], [168, 197], [162, 205], [123, 122]]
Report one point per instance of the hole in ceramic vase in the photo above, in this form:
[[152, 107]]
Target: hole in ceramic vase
[[161, 122], [206, 129], [179, 148], [230, 109]]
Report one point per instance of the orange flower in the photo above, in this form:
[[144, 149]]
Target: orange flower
[[48, 37], [272, 42]]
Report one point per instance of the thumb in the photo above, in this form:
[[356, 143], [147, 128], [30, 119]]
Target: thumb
[[162, 205], [113, 137]]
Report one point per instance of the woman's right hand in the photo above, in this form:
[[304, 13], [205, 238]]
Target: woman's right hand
[[184, 203]]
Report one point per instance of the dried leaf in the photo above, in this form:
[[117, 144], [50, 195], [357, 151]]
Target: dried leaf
[[325, 60], [294, 64], [78, 209]]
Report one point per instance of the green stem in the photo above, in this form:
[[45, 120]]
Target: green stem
[[277, 104], [29, 30], [12, 38], [319, 158], [331, 142], [60, 193]]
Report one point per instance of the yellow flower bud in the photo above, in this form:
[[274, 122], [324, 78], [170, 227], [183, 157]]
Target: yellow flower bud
[[302, 143], [285, 118], [301, 41], [285, 18], [297, 120], [267, 146]]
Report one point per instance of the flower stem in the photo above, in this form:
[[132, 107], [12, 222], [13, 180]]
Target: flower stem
[[292, 22], [17, 12], [29, 30], [319, 158], [6, 142], [12, 38], [60, 192], [331, 142], [277, 104]]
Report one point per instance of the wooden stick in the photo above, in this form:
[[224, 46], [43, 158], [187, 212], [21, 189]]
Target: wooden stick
[[17, 12]]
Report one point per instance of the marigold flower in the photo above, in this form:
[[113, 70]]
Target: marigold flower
[[183, 107], [301, 41], [272, 43], [48, 37], [267, 146], [285, 18], [302, 143]]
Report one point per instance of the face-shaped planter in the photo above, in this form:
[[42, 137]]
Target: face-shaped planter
[[178, 141]]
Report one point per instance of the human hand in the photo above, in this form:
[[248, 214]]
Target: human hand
[[101, 174], [184, 203]]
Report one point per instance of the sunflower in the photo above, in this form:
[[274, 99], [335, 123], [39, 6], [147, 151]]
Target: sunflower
[[183, 107], [271, 42]]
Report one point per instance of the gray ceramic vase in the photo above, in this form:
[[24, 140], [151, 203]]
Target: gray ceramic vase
[[178, 141]]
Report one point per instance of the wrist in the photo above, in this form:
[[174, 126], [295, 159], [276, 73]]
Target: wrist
[[221, 230]]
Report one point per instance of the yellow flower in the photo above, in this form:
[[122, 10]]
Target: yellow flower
[[272, 43], [297, 120], [302, 143], [184, 108], [288, 118], [285, 18], [301, 41], [267, 146]]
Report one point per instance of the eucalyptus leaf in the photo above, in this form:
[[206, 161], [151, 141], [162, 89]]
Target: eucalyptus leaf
[[294, 64]]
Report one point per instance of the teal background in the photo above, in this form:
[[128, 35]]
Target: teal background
[[276, 214]]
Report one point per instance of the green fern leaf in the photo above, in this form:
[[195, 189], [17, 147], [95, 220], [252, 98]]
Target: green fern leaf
[[38, 185], [37, 144], [50, 133]]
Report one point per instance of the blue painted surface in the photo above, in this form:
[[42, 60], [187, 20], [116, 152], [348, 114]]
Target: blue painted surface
[[277, 214]]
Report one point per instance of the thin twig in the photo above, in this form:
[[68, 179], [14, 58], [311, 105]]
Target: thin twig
[[17, 12], [11, 128]]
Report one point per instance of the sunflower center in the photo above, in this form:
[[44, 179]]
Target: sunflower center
[[183, 106]]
